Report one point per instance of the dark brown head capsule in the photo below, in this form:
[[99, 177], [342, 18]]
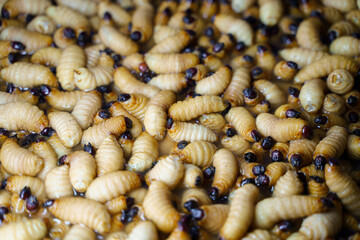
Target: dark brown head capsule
[[18, 46], [10, 88], [218, 47], [126, 135], [230, 132], [292, 65], [3, 183], [5, 13], [209, 172], [82, 39], [47, 132], [213, 193], [277, 156], [124, 97], [25, 193], [327, 202], [63, 160], [255, 135], [294, 92], [169, 123], [89, 148], [321, 120], [307, 132], [191, 204], [353, 117], [143, 67], [104, 114], [191, 72], [258, 170], [128, 123], [256, 72], [296, 160], [4, 132], [291, 113], [262, 180], [352, 101], [319, 162], [190, 82], [267, 143], [247, 181], [182, 144], [48, 203], [197, 213], [250, 157], [198, 181], [107, 16], [240, 46], [69, 33], [32, 203], [45, 90], [136, 36]]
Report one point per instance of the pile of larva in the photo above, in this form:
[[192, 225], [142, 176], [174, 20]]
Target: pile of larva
[[132, 119]]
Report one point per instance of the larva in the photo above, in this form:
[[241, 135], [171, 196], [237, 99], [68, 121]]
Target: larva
[[135, 104], [59, 100], [189, 132], [68, 17], [301, 56], [93, 54], [161, 32], [213, 217], [173, 44], [310, 170], [234, 92], [345, 45], [144, 230], [58, 146], [301, 152], [270, 11], [343, 6], [97, 133], [353, 146], [7, 47], [321, 225], [285, 70], [288, 185], [18, 97], [158, 199], [155, 116], [169, 170], [341, 28], [81, 211], [48, 154], [193, 196], [144, 153], [317, 187], [112, 185], [17, 160], [193, 176], [117, 205], [308, 34], [241, 212], [109, 157], [344, 186], [340, 81], [42, 24], [260, 234], [226, 171], [271, 210], [134, 62], [72, 58], [195, 107], [80, 232], [90, 78], [333, 103], [199, 153], [282, 130], [119, 15], [333, 145], [28, 75], [67, 128], [236, 144], [86, 108], [241, 5], [244, 123], [64, 37], [272, 93], [325, 66], [57, 183], [214, 121], [86, 7], [127, 83], [82, 169], [24, 229], [170, 81], [14, 8], [142, 25], [117, 109], [34, 41], [115, 40], [170, 62], [275, 170], [216, 83], [138, 195], [265, 59], [15, 184], [240, 29], [47, 56]]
